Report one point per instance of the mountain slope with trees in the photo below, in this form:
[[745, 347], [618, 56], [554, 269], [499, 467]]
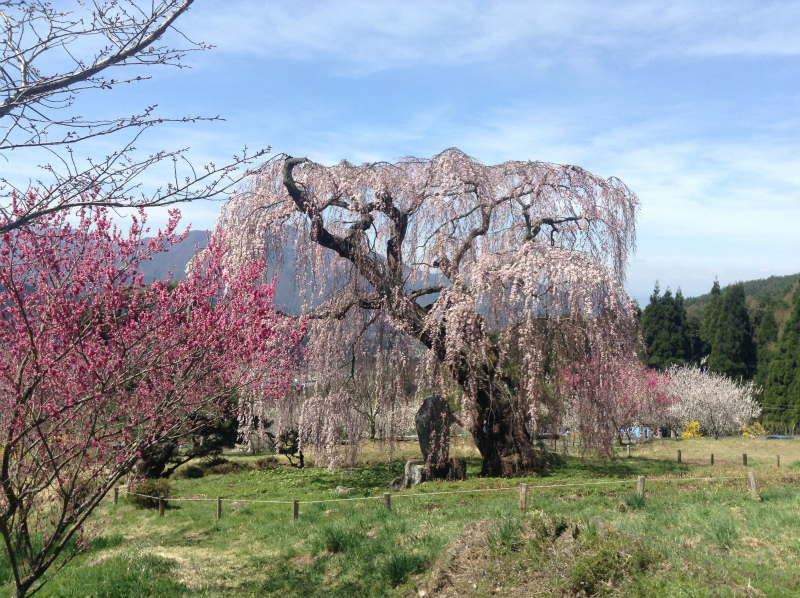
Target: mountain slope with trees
[[782, 384], [759, 291], [747, 331]]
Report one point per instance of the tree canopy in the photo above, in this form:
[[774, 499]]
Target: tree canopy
[[96, 368], [733, 351], [470, 261], [782, 388], [668, 335]]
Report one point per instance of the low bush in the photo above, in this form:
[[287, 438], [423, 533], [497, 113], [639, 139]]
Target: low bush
[[142, 492], [190, 472], [753, 430], [602, 562], [225, 468], [692, 430]]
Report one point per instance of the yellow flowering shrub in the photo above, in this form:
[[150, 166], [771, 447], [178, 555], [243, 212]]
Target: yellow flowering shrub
[[753, 430], [691, 430]]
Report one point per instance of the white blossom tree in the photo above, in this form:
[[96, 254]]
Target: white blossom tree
[[471, 264], [720, 404]]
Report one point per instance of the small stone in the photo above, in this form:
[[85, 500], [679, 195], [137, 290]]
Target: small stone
[[396, 484]]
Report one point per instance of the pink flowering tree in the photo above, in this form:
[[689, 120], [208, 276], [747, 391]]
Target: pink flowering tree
[[622, 393], [96, 368], [471, 264]]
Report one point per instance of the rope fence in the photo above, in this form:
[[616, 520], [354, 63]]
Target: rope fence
[[522, 489]]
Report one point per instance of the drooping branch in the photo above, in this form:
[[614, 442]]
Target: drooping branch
[[461, 235]]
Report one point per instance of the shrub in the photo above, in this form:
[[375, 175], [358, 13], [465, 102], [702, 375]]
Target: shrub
[[603, 562], [212, 460], [225, 468], [691, 430], [149, 488], [190, 472], [753, 430]]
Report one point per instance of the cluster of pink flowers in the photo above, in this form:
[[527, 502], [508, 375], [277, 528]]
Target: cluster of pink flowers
[[95, 366], [604, 399]]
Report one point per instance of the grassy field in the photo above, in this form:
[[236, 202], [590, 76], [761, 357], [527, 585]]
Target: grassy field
[[688, 537]]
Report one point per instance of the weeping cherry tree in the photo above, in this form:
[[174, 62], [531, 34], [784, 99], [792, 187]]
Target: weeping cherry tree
[[474, 266]]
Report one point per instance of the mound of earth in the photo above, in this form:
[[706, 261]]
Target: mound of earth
[[536, 555]]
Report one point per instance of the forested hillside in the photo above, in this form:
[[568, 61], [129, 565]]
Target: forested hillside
[[760, 291], [746, 331]]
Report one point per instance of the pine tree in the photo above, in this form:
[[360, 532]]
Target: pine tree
[[666, 331], [733, 351], [782, 390]]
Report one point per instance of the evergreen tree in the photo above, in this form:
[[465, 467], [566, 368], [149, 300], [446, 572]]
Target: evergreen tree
[[732, 349], [766, 339], [710, 315], [666, 330], [782, 390]]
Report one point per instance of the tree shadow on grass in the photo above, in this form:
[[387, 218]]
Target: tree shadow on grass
[[613, 468]]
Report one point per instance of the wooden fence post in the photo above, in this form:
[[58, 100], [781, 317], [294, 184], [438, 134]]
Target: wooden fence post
[[640, 486], [160, 506], [219, 507], [679, 456], [753, 488], [712, 459], [778, 461], [629, 450], [744, 459], [387, 501], [295, 509], [116, 495], [523, 496]]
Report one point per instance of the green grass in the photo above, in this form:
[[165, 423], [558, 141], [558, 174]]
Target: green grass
[[127, 575], [685, 538]]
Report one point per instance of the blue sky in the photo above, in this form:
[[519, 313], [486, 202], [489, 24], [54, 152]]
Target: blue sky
[[695, 106]]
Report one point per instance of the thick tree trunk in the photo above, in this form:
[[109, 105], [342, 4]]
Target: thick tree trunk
[[501, 437]]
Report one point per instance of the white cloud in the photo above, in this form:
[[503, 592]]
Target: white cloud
[[366, 36]]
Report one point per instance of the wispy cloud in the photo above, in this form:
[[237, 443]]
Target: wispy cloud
[[365, 36]]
